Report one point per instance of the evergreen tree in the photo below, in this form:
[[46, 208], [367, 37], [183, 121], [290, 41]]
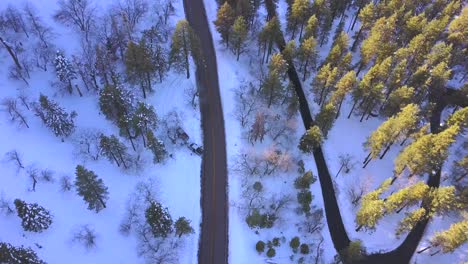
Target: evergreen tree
[[372, 207], [294, 244], [54, 117], [272, 87], [224, 21], [321, 9], [290, 51], [397, 100], [394, 129], [18, 255], [307, 55], [267, 37], [184, 43], [182, 227], [304, 198], [114, 150], [300, 11], [65, 71], [406, 197], [345, 85], [338, 51], [312, 27], [410, 220], [323, 83], [311, 139], [452, 238], [426, 153], [367, 17], [459, 118], [239, 36], [156, 146], [304, 181], [159, 220], [91, 188], [143, 120], [115, 102], [139, 65], [325, 118], [34, 217]]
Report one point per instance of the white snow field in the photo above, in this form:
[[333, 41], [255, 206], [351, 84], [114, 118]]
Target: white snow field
[[177, 180]]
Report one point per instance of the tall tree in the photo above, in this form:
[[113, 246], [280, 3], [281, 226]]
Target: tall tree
[[91, 188], [307, 55], [300, 11], [452, 238], [184, 43], [159, 219], [139, 65], [311, 139], [272, 86], [65, 72], [345, 85], [116, 102], [182, 227], [156, 146], [18, 255], [267, 37], [239, 36], [224, 21], [54, 117], [115, 151]]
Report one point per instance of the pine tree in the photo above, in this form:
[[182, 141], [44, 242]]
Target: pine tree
[[156, 146], [272, 87], [139, 65], [267, 37], [116, 102], [304, 198], [307, 56], [34, 217], [304, 181], [311, 139], [143, 120], [184, 43], [411, 219], [65, 71], [54, 117], [239, 36], [460, 169], [397, 99], [452, 238], [312, 27], [159, 220], [300, 11], [321, 9], [182, 227], [323, 83], [338, 51], [91, 188], [114, 150], [224, 21], [427, 153], [367, 17], [406, 197], [345, 85], [325, 118], [372, 207], [391, 131], [290, 51], [18, 255]]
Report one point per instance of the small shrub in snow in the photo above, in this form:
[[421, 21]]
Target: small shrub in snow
[[260, 247], [304, 198], [65, 184], [305, 180], [276, 242], [159, 219], [86, 236], [34, 217], [271, 252], [305, 249], [182, 227], [255, 219], [294, 244], [18, 255], [257, 186]]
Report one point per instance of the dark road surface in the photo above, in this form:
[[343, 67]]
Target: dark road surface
[[213, 247]]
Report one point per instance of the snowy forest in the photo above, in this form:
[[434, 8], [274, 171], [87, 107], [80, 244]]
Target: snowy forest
[[343, 127]]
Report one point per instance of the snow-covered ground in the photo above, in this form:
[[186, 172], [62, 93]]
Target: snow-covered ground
[[177, 179]]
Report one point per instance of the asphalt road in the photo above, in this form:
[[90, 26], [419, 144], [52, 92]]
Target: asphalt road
[[213, 247]]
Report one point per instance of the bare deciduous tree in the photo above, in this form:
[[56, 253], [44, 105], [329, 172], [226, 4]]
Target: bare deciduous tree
[[6, 206], [191, 95], [33, 174], [77, 13], [132, 11], [356, 191], [86, 143], [246, 104], [65, 184], [258, 130], [346, 163], [37, 26], [15, 157], [47, 175], [14, 20], [10, 105], [86, 236]]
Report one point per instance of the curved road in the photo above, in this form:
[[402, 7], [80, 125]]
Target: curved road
[[213, 248]]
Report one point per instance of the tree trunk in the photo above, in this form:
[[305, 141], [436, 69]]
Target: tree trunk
[[359, 228], [385, 151], [353, 47], [12, 53], [339, 108], [355, 18], [115, 159], [424, 249], [367, 158], [367, 163], [122, 160], [352, 108], [305, 69], [78, 90], [336, 176]]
